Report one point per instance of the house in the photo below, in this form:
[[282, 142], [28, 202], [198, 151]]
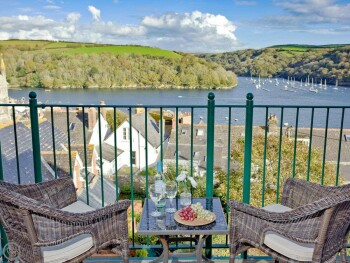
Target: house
[[199, 153], [138, 134], [122, 148]]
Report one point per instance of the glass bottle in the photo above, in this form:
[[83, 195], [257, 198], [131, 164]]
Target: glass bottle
[[160, 184]]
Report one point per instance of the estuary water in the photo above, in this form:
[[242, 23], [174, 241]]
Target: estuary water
[[269, 93]]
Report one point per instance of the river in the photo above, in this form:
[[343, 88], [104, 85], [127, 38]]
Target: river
[[268, 94]]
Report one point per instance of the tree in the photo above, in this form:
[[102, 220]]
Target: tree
[[120, 117], [286, 168]]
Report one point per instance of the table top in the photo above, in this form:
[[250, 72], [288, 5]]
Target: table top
[[166, 225]]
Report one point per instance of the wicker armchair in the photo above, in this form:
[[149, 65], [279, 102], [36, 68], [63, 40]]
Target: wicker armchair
[[47, 223], [311, 224]]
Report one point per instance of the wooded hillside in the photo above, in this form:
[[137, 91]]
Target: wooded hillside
[[36, 65], [326, 62]]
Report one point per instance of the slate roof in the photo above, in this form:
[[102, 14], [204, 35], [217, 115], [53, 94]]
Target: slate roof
[[199, 158], [200, 144], [95, 192], [318, 136], [62, 161], [80, 149], [46, 143], [25, 152], [138, 122], [76, 122], [108, 151]]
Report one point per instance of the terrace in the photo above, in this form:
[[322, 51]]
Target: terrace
[[249, 163]]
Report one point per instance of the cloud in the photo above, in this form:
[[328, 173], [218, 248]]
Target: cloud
[[244, 2], [191, 32], [73, 17], [194, 31], [96, 13], [52, 7], [318, 11], [313, 16]]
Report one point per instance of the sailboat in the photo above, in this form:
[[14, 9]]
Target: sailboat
[[312, 86], [258, 86], [336, 85], [325, 84], [307, 81], [276, 82]]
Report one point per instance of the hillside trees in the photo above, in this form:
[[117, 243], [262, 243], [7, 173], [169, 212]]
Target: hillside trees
[[324, 63], [52, 70]]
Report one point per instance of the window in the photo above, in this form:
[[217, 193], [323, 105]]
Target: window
[[125, 134], [183, 131], [205, 158], [133, 157], [200, 132], [347, 137]]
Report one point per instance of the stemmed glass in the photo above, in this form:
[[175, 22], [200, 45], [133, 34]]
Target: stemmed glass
[[155, 196], [171, 190]]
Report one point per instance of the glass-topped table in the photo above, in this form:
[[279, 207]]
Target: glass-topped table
[[168, 230]]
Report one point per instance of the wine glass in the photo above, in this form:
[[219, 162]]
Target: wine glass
[[171, 190], [155, 196]]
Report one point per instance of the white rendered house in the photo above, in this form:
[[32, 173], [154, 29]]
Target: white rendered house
[[138, 150], [122, 149]]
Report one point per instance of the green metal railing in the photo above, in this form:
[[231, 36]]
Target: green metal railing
[[212, 110]]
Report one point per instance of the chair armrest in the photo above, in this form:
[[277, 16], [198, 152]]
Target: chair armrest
[[78, 218], [297, 214]]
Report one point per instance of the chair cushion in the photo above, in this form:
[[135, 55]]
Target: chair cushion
[[289, 248], [276, 208], [67, 250], [78, 207]]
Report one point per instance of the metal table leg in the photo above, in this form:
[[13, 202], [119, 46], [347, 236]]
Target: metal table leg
[[166, 254]]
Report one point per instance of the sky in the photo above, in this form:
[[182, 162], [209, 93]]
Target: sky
[[180, 25]]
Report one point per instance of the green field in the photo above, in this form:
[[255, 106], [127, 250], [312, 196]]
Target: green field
[[84, 48], [125, 50], [304, 48]]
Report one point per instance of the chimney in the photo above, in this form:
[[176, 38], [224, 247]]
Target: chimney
[[92, 118], [103, 110], [139, 110]]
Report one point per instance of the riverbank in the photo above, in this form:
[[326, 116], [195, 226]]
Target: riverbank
[[161, 87]]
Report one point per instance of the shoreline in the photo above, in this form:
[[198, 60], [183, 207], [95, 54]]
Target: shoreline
[[18, 87]]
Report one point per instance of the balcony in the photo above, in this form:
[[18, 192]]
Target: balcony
[[110, 152]]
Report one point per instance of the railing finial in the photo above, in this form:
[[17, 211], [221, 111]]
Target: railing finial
[[32, 95], [250, 96], [211, 96]]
